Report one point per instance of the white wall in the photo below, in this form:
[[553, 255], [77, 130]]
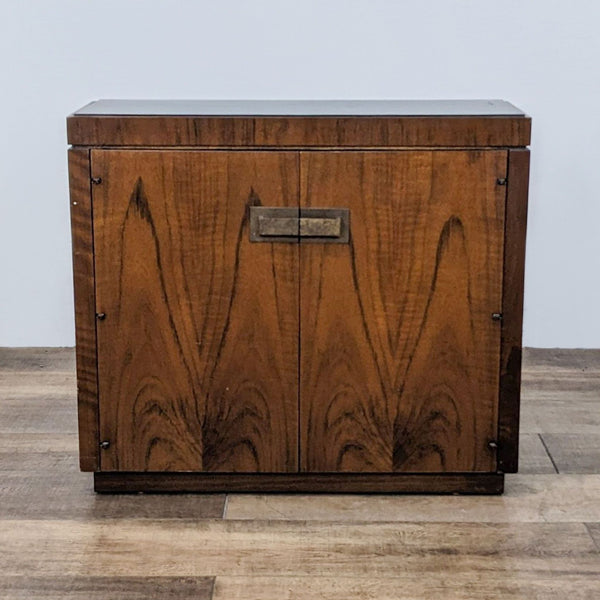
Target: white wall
[[542, 55]]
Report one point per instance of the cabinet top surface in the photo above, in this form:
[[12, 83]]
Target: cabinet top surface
[[301, 108]]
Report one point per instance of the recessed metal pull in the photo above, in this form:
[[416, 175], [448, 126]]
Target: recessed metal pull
[[278, 226], [320, 227], [305, 225]]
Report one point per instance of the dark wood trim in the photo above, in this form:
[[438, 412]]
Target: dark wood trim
[[512, 309], [392, 131], [372, 131], [85, 307], [159, 131], [330, 483], [365, 149]]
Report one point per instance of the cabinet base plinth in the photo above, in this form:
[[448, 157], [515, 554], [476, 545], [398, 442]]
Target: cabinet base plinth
[[328, 483]]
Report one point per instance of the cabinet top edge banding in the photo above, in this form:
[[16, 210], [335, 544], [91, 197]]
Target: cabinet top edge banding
[[381, 124]]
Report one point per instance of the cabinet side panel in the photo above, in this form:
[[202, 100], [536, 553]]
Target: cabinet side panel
[[512, 309], [85, 317], [400, 355], [197, 355]]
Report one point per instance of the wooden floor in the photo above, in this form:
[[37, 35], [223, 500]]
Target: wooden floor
[[540, 540]]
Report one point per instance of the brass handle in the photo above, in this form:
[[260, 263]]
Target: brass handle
[[277, 226], [292, 225], [303, 227], [329, 227]]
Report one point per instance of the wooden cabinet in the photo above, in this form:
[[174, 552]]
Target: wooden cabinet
[[299, 296]]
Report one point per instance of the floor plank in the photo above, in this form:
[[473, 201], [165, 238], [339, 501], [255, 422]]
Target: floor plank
[[580, 358], [36, 385], [39, 443], [594, 531], [32, 359], [101, 588], [574, 453], [561, 391], [33, 463], [527, 499], [276, 548], [552, 380], [68, 494], [37, 402], [561, 412], [503, 584], [41, 414], [533, 456]]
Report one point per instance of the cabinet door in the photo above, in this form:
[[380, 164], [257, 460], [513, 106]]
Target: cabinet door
[[197, 354], [399, 352]]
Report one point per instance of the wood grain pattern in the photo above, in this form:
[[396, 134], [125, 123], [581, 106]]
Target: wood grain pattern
[[512, 309], [399, 354], [194, 548], [198, 352], [365, 131], [98, 587], [159, 131], [332, 483], [392, 131], [502, 583], [85, 320]]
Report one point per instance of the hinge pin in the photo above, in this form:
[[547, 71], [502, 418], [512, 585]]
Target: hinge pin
[[96, 180], [502, 180], [105, 444], [496, 316]]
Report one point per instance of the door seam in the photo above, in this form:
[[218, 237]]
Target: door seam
[[500, 354], [299, 346], [93, 239]]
